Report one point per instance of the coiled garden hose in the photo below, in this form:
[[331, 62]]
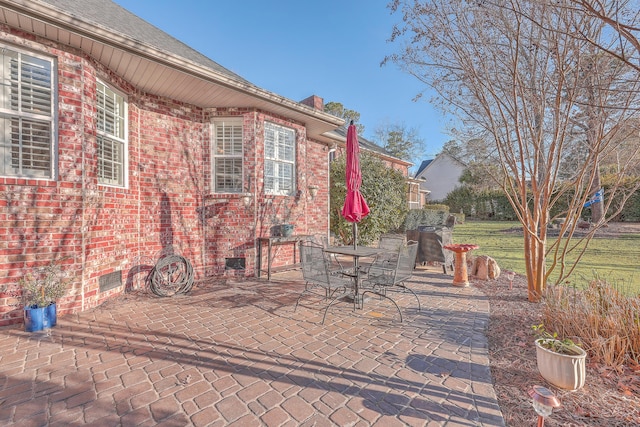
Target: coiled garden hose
[[172, 274]]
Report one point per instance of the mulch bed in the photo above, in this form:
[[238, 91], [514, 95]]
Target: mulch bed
[[609, 398]]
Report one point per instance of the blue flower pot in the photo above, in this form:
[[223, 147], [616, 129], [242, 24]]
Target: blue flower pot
[[39, 318], [34, 319], [50, 316]]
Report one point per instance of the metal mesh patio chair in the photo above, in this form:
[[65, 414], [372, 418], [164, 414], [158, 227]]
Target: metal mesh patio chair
[[318, 275], [391, 243], [390, 273], [406, 266], [334, 264]]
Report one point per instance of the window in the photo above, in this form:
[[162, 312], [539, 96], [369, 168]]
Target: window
[[27, 115], [227, 156], [414, 195], [279, 159], [112, 136]]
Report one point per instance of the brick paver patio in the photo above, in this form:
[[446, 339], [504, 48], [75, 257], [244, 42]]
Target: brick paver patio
[[234, 353]]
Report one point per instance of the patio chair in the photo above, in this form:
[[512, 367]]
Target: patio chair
[[406, 266], [318, 273], [390, 273], [335, 266], [389, 258], [391, 243]]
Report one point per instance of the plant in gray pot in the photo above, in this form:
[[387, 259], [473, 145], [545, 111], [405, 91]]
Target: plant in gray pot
[[560, 361], [41, 288]]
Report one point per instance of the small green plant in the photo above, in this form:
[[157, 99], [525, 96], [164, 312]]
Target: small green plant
[[553, 342], [43, 286]]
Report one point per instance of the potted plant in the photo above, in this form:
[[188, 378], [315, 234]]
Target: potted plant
[[283, 218], [41, 288], [560, 361]]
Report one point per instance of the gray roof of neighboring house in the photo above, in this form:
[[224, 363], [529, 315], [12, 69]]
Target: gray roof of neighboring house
[[426, 163], [365, 143], [109, 15], [423, 166]]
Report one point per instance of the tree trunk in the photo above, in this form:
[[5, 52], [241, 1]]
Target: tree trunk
[[534, 251]]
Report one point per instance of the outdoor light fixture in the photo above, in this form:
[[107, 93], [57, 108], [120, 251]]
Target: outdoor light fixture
[[246, 200], [313, 191], [543, 402]]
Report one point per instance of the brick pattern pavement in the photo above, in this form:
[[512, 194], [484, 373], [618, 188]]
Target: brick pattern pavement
[[236, 354]]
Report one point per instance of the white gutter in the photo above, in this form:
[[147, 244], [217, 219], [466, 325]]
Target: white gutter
[[47, 14]]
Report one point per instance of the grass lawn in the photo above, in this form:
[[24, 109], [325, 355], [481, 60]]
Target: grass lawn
[[616, 260]]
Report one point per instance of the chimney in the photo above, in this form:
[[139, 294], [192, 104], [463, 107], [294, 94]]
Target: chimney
[[314, 102]]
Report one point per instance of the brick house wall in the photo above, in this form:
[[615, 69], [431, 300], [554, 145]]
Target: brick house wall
[[168, 204]]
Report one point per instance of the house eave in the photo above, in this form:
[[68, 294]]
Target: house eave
[[341, 140], [164, 73]]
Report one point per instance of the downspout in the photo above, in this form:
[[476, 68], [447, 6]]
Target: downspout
[[83, 257], [139, 150], [255, 195], [203, 249], [332, 149]]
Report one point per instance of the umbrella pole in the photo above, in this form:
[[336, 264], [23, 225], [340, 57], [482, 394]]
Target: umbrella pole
[[355, 235]]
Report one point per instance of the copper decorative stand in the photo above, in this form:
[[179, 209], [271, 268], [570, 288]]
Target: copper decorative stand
[[460, 275]]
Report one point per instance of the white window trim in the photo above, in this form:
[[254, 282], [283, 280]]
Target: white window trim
[[51, 118], [233, 121], [414, 192], [124, 141], [277, 160]]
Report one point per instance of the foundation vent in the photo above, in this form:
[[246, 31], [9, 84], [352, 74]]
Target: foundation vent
[[234, 263], [110, 280]]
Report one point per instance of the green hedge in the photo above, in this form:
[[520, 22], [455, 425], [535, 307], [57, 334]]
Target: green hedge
[[436, 207], [487, 205], [494, 205], [430, 215]]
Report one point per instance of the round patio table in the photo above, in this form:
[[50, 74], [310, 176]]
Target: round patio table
[[460, 275]]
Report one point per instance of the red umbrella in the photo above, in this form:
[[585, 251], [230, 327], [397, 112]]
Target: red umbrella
[[355, 207]]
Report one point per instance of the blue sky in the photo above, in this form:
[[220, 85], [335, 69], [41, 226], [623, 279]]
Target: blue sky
[[297, 48]]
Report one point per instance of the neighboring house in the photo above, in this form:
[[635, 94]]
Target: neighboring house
[[439, 176], [417, 195], [120, 142], [389, 160]]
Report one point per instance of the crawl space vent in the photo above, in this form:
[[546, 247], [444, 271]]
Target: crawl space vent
[[234, 263], [110, 280]]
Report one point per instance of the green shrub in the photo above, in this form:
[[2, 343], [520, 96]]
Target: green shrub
[[460, 217], [384, 189], [485, 205], [436, 207], [425, 217]]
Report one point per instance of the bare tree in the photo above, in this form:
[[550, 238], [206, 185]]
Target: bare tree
[[620, 17], [515, 72]]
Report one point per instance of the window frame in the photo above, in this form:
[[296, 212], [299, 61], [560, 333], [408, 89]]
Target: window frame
[[277, 159], [215, 157], [113, 137], [9, 114], [413, 196]]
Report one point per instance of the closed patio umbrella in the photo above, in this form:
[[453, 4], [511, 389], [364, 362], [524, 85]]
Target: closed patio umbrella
[[355, 206]]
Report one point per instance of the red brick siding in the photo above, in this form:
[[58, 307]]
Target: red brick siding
[[168, 201]]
